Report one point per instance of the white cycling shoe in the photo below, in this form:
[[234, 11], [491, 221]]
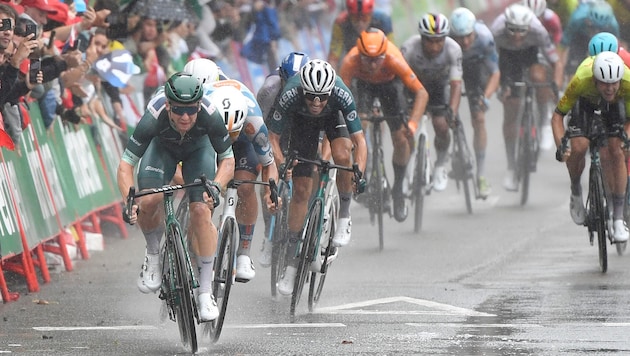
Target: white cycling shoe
[[150, 279], [208, 309], [620, 231]]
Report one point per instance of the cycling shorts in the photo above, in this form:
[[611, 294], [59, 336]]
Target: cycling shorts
[[392, 100], [158, 164], [245, 156], [304, 138], [581, 116]]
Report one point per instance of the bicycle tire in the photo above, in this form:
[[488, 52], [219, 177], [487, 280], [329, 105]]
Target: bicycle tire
[[306, 252], [597, 197], [182, 214], [525, 155], [379, 194], [185, 299], [318, 278], [224, 274], [463, 160], [278, 239], [419, 183]]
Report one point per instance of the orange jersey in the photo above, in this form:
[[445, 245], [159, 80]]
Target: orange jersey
[[394, 65]]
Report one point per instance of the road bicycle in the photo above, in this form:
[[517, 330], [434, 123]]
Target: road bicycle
[[527, 148], [598, 215], [462, 161], [316, 251], [278, 229], [379, 189], [178, 277], [225, 260]]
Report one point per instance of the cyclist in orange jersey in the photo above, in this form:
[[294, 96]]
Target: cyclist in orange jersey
[[376, 67]]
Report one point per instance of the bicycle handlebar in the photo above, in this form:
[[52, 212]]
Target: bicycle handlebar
[[322, 163], [273, 187], [132, 195]]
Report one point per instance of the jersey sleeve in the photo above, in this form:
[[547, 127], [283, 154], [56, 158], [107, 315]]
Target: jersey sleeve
[[140, 139], [348, 106]]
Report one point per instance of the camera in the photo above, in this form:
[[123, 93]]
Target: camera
[[6, 25]]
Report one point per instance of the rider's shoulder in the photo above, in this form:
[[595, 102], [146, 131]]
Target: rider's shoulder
[[157, 103]]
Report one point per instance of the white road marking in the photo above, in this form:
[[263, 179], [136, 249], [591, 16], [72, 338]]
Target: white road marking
[[77, 328], [437, 308], [267, 326], [466, 325]]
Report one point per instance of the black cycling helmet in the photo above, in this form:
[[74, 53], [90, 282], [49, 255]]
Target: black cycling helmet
[[183, 88]]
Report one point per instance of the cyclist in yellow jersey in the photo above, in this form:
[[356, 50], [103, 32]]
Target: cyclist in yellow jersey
[[600, 83]]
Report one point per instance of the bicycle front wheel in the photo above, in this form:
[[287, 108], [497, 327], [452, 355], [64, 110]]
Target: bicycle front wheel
[[599, 214], [324, 255], [307, 252], [279, 243], [526, 159], [379, 193], [183, 293], [224, 274], [419, 183]]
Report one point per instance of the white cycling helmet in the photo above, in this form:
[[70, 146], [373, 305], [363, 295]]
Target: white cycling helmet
[[318, 77], [232, 105], [518, 16], [462, 22], [537, 6], [434, 25], [205, 70], [608, 67]]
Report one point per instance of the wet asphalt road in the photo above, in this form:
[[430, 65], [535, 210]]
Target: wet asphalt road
[[506, 280]]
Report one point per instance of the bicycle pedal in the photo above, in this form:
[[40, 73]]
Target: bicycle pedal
[[242, 280]]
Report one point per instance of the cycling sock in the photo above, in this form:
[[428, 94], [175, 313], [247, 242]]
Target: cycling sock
[[344, 204], [153, 238], [510, 149], [480, 156], [399, 176], [205, 265], [247, 232], [576, 187], [441, 157], [292, 245], [618, 201]]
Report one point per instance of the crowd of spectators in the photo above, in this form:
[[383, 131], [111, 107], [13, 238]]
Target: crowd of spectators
[[63, 60]]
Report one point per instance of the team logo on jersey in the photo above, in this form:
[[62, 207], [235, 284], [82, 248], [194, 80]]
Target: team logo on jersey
[[277, 116], [352, 115]]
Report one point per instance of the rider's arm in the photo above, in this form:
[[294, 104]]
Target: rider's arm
[[360, 150], [455, 73], [225, 171]]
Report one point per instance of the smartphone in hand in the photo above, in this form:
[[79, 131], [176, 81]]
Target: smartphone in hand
[[35, 67]]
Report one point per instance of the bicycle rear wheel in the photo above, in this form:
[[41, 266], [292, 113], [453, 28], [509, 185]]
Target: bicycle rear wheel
[[324, 255], [599, 215], [307, 252], [183, 293], [419, 183], [379, 193], [224, 274], [279, 242]]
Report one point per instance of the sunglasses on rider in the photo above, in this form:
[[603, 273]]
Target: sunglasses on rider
[[368, 59], [516, 30], [313, 96], [181, 110]]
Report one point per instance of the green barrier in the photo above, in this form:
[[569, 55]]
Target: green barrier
[[75, 170], [10, 241]]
